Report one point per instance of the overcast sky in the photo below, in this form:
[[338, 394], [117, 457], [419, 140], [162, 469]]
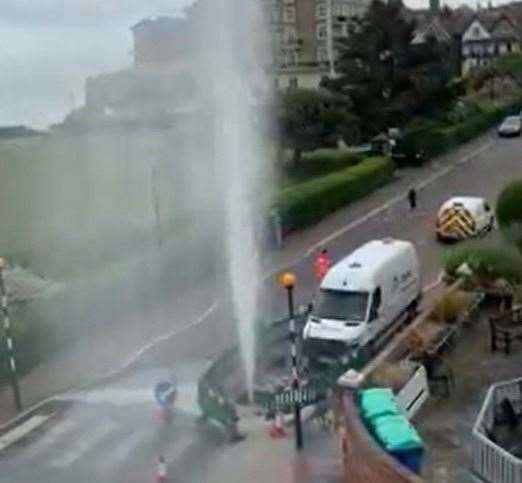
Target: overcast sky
[[49, 47]]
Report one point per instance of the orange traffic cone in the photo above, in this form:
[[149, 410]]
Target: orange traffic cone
[[278, 428]]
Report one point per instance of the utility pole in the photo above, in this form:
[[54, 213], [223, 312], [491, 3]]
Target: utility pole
[[11, 361]]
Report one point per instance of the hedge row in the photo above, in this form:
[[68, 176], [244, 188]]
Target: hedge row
[[304, 204], [439, 140], [321, 162]]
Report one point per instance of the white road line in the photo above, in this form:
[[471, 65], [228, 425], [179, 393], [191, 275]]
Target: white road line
[[134, 357], [117, 455], [21, 431], [49, 438], [86, 441], [391, 202]]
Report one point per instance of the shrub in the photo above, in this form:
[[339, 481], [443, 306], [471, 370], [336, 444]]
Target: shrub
[[451, 306], [487, 262], [321, 162], [306, 203], [509, 212], [438, 140]]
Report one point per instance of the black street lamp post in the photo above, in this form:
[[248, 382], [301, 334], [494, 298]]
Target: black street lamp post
[[288, 282], [11, 360]]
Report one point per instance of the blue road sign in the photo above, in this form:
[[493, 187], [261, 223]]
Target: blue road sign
[[165, 393]]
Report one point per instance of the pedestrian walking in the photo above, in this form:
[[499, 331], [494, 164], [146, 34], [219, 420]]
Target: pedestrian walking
[[412, 199], [161, 471], [322, 265]]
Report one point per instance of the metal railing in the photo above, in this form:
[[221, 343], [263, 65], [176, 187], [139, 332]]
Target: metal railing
[[489, 460]]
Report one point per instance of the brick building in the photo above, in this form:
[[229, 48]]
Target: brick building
[[305, 34]]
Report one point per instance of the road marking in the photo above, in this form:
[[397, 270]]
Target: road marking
[[391, 202], [135, 357], [22, 431], [49, 438], [86, 441], [116, 456]]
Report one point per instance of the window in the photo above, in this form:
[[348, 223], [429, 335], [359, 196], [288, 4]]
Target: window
[[322, 55], [346, 306], [476, 31], [509, 47], [376, 303], [321, 31], [289, 34], [321, 11], [293, 83], [276, 15], [487, 207], [289, 14], [291, 58]]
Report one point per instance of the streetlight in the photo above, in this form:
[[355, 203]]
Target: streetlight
[[287, 280], [8, 338]]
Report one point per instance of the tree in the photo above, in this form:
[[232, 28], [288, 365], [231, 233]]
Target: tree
[[509, 212], [388, 78], [308, 119]]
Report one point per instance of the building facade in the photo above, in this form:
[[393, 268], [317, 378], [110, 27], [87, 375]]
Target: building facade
[[305, 34], [482, 36]]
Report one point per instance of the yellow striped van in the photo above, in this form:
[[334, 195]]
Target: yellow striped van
[[464, 217]]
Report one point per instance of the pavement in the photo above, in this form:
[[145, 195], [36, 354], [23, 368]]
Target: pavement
[[110, 429], [445, 424]]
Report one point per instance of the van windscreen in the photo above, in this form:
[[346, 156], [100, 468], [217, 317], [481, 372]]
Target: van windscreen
[[342, 305]]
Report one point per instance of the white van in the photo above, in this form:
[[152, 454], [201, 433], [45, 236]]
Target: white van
[[464, 217], [362, 296]]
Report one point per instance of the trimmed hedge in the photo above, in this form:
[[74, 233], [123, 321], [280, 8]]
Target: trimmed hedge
[[489, 262], [509, 212], [304, 204], [439, 140], [321, 162]]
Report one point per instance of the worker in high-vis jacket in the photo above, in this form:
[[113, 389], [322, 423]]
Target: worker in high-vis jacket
[[322, 265]]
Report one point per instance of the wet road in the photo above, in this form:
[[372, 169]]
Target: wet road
[[111, 434]]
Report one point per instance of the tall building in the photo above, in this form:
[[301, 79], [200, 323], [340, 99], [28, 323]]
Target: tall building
[[305, 34]]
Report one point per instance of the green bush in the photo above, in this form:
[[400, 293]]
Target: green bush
[[306, 203], [509, 212], [439, 140], [321, 162], [488, 262]]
